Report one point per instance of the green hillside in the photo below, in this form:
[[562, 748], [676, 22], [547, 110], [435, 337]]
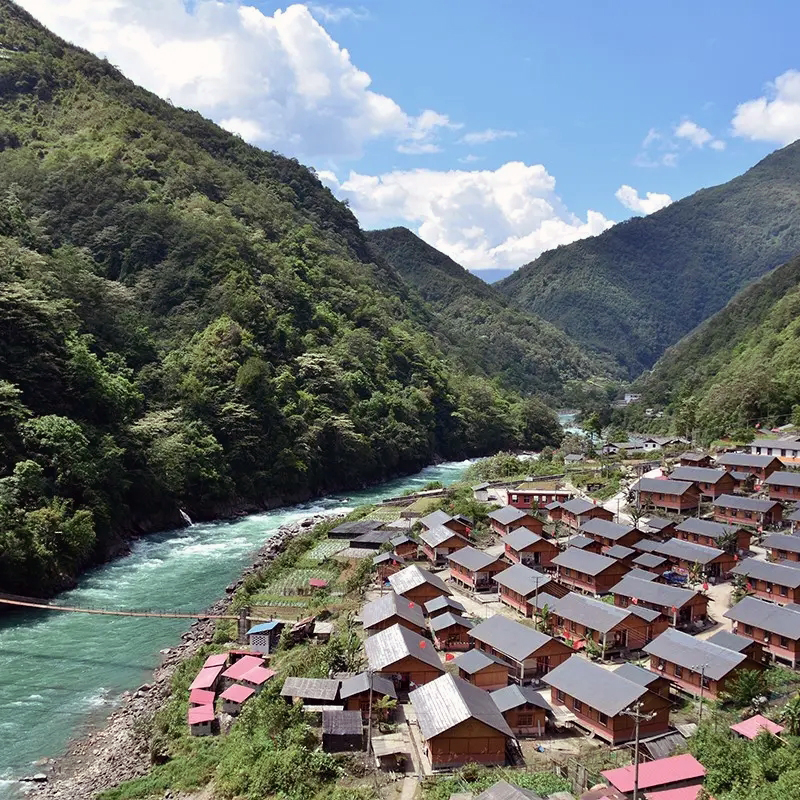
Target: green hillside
[[189, 322], [738, 369], [639, 287], [486, 333]]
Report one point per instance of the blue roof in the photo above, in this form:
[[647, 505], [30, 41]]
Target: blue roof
[[264, 627]]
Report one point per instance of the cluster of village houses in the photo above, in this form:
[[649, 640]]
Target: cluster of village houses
[[474, 687]]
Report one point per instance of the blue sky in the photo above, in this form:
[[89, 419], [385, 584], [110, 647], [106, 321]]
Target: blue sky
[[494, 130]]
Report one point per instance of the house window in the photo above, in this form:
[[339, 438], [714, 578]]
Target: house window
[[784, 591], [706, 682], [662, 664], [560, 696], [602, 718], [572, 626], [768, 586], [514, 497], [748, 629], [678, 671], [784, 641], [589, 579], [578, 705], [525, 719], [767, 637]]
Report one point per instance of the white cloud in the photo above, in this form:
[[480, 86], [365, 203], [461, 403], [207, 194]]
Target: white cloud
[[489, 135], [774, 117], [279, 81], [693, 133], [470, 158], [339, 13], [652, 201], [717, 144], [481, 218]]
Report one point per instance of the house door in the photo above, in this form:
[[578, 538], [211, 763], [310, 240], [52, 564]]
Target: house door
[[620, 638]]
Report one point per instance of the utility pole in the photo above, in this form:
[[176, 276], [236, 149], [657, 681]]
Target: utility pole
[[369, 716], [702, 669], [638, 716]]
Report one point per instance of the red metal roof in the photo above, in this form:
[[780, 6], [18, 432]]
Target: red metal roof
[[206, 678], [317, 583], [684, 793], [258, 675], [200, 714], [217, 660], [653, 774], [201, 697], [237, 693], [242, 667], [750, 728]]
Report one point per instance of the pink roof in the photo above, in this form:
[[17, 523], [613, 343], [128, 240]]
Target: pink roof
[[200, 714], [205, 678], [237, 693], [750, 728], [318, 583], [201, 697], [684, 793], [258, 675], [217, 660], [242, 667], [653, 774]]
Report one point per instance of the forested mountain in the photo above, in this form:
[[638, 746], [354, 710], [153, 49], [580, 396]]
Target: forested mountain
[[739, 368], [640, 286], [187, 321], [487, 335]]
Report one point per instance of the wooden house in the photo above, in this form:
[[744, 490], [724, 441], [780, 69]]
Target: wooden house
[[578, 511], [439, 519], [692, 459], [387, 564], [522, 546], [355, 692], [342, 731], [406, 658], [419, 585], [460, 724], [625, 555], [777, 583], [660, 528], [554, 511], [580, 619], [759, 466], [310, 691], [443, 604], [784, 486], [201, 720], [776, 628], [650, 562], [533, 498], [474, 569], [506, 519], [709, 482], [678, 497], [683, 555], [748, 511], [523, 708], [451, 631], [439, 543], [753, 649], [518, 584], [483, 670], [733, 538], [390, 609], [404, 546], [588, 572], [609, 534], [794, 520], [530, 653], [673, 778], [598, 699], [657, 684], [689, 663], [679, 607], [234, 698], [583, 542], [782, 547]]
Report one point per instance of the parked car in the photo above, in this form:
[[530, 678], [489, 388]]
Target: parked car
[[675, 578]]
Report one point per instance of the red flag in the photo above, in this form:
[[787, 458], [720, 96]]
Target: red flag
[[422, 645], [705, 587], [449, 657]]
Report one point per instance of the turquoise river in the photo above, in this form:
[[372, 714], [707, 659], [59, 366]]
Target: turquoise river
[[61, 673]]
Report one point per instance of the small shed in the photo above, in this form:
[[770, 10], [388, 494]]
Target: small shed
[[201, 697], [234, 698], [207, 678], [342, 731], [201, 720], [257, 678], [312, 691], [235, 672], [752, 726], [264, 637], [484, 670]]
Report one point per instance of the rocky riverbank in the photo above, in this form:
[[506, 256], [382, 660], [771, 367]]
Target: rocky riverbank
[[120, 750]]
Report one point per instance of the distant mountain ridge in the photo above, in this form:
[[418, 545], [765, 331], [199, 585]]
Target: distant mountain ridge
[[639, 287]]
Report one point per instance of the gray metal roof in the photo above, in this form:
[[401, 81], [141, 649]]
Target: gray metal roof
[[705, 527], [645, 545], [503, 790], [475, 660], [619, 551], [583, 561], [783, 479], [511, 638], [606, 529], [641, 574], [662, 486], [782, 541], [342, 723], [766, 571], [745, 503], [310, 688], [731, 641], [448, 701], [599, 688], [398, 540], [636, 674], [594, 614], [648, 614], [357, 527], [507, 515], [360, 683], [659, 594], [515, 696], [388, 646], [414, 576], [471, 558], [689, 652], [578, 506], [649, 560], [794, 516], [447, 620], [659, 523], [697, 474], [744, 460], [792, 442], [384, 557], [692, 456], [783, 620], [522, 579], [521, 538], [580, 541], [376, 538], [542, 599], [739, 475], [439, 535], [440, 603], [390, 605], [435, 519], [688, 551], [552, 506]]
